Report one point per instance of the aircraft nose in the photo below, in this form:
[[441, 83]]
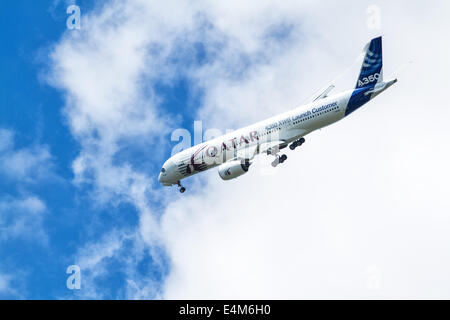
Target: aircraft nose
[[165, 173], [168, 174]]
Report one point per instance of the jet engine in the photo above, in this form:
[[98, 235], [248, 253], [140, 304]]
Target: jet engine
[[233, 169]]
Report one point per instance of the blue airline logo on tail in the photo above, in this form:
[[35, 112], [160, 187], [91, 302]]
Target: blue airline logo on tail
[[372, 65], [371, 73]]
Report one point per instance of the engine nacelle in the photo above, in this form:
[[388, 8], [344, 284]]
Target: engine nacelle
[[233, 169]]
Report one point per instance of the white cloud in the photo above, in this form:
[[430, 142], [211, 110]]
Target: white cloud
[[117, 252], [22, 217], [6, 139], [8, 287], [11, 286], [367, 193], [23, 164], [4, 283], [107, 70], [93, 262]]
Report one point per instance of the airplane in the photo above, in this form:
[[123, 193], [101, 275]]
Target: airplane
[[234, 152]]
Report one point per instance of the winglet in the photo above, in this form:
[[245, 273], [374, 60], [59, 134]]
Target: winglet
[[324, 93]]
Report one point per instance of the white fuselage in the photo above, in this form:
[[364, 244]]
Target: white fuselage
[[286, 127]]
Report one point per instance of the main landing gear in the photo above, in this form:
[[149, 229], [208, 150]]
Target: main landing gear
[[279, 159], [297, 143], [283, 157], [182, 189]]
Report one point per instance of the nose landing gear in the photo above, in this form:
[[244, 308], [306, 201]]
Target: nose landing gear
[[182, 189]]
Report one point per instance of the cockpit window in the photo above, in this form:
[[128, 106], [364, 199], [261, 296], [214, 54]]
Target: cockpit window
[[163, 170]]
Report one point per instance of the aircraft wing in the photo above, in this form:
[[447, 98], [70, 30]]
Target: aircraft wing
[[247, 153]]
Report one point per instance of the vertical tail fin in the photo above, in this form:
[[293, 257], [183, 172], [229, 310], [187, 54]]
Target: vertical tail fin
[[370, 82], [372, 66]]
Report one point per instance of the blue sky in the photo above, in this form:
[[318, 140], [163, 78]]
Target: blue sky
[[86, 120], [31, 110]]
